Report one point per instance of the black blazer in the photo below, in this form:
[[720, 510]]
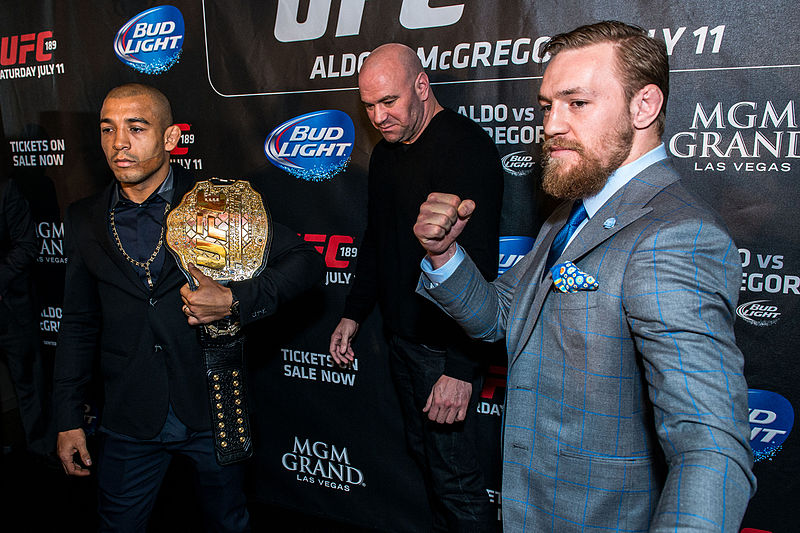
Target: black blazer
[[149, 356]]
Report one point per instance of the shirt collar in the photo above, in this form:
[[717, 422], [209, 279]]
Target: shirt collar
[[620, 177], [165, 191]]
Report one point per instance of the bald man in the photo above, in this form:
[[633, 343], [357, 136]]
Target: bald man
[[435, 368], [126, 300]]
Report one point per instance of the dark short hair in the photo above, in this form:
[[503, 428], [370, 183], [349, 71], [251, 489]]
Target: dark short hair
[[641, 59], [161, 105]]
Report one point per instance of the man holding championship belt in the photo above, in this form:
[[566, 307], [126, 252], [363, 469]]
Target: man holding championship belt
[[127, 298]]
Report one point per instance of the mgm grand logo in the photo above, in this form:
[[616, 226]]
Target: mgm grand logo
[[320, 463]]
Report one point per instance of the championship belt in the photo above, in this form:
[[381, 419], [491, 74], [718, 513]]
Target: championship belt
[[223, 228]]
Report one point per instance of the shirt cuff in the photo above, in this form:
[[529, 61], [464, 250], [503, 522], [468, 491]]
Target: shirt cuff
[[434, 277]]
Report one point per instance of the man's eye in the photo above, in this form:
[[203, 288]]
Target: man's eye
[[578, 103], [546, 108], [136, 129]]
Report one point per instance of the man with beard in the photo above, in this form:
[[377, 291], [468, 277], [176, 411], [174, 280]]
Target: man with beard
[[626, 406]]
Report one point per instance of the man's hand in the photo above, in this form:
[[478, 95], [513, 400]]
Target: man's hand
[[448, 400], [341, 341], [441, 220], [209, 302], [69, 443]]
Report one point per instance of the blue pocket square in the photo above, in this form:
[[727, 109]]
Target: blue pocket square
[[569, 278]]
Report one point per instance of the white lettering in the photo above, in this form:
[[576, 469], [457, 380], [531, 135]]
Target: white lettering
[[417, 15], [414, 15]]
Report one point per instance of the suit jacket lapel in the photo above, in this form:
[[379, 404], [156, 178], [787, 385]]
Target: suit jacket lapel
[[626, 206], [530, 299], [99, 218]]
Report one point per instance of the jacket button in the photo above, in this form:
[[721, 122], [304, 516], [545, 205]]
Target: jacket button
[[153, 302], [157, 348]]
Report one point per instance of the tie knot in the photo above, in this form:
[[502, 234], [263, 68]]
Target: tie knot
[[577, 215]]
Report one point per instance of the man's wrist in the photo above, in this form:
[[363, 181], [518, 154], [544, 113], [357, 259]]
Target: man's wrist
[[439, 260], [435, 276], [233, 309]]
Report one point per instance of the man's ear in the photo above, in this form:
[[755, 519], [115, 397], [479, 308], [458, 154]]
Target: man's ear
[[422, 86], [171, 137], [645, 106]]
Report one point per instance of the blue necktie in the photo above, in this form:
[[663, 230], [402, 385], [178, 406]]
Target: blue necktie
[[576, 216]]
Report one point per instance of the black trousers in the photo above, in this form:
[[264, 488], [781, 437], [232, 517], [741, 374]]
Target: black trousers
[[446, 453], [130, 472]]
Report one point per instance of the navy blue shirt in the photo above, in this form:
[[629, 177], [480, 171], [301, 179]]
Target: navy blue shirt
[[139, 226]]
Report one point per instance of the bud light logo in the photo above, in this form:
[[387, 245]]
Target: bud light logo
[[771, 420], [512, 249], [518, 163], [313, 147], [759, 313], [151, 42]]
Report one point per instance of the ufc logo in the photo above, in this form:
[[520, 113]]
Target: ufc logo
[[414, 15], [207, 225], [332, 248], [15, 49]]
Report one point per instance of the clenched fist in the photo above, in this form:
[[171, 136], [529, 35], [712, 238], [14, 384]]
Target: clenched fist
[[441, 220]]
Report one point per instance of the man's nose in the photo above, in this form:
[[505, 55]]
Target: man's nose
[[121, 140], [555, 122], [379, 114]]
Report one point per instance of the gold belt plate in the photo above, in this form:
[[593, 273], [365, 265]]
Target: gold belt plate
[[222, 227]]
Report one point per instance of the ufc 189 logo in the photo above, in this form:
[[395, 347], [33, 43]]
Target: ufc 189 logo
[[334, 248], [15, 48]]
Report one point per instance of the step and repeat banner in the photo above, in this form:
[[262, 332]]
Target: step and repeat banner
[[267, 91]]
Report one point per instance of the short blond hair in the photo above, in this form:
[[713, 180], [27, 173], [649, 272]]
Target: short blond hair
[[641, 60]]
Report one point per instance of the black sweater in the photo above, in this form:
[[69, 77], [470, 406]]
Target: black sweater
[[452, 155]]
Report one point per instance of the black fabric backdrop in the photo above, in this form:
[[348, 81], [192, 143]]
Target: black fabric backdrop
[[328, 441]]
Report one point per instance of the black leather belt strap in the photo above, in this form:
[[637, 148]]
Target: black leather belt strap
[[227, 394]]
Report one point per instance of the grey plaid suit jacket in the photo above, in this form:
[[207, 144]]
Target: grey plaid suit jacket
[[626, 407]]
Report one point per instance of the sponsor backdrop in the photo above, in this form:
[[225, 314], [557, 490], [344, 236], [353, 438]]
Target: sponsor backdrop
[[266, 91]]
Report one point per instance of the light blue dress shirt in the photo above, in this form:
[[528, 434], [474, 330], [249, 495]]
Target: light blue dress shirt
[[617, 180]]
